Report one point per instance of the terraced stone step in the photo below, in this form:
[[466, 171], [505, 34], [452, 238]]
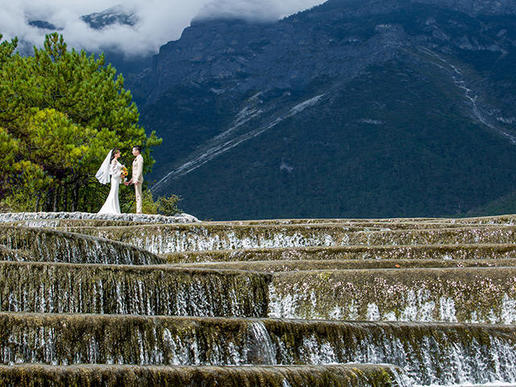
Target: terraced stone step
[[117, 289], [163, 239], [7, 254], [429, 353], [355, 375], [85, 216], [68, 224], [57, 246], [417, 294], [356, 225], [349, 264], [418, 252], [498, 219], [49, 217], [486, 295]]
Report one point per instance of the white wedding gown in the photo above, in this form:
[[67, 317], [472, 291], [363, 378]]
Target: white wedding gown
[[112, 205]]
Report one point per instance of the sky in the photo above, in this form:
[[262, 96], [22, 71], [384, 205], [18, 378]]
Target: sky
[[159, 21]]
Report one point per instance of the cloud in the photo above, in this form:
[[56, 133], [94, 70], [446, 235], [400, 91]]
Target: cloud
[[259, 10], [159, 21]]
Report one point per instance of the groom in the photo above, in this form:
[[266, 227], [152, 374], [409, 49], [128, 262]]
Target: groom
[[137, 178]]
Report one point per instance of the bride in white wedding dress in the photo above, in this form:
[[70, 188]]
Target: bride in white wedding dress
[[111, 171]]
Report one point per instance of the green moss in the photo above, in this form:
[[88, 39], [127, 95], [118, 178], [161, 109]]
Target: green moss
[[501, 219], [464, 294], [57, 246], [419, 252], [164, 239], [7, 254], [317, 376], [65, 224], [311, 285], [155, 290], [349, 264], [70, 339]]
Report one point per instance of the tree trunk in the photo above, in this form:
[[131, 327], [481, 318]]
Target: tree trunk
[[56, 197], [38, 201], [49, 199], [76, 191], [65, 197]]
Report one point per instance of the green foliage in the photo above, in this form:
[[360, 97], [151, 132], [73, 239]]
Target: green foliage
[[167, 205], [148, 204], [60, 113], [128, 202], [163, 206], [503, 205]]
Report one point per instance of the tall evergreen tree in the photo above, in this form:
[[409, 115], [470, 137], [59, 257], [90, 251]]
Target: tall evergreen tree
[[60, 113]]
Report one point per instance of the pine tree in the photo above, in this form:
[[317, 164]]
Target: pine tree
[[60, 113]]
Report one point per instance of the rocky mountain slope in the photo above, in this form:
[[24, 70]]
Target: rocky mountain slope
[[350, 109]]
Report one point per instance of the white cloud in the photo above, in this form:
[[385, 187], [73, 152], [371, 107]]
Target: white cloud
[[159, 21]]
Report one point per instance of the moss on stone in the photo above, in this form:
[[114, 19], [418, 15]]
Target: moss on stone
[[7, 254], [116, 289], [163, 239], [458, 294], [57, 246], [419, 252], [66, 224], [348, 264], [72, 339], [379, 276], [499, 219], [353, 375]]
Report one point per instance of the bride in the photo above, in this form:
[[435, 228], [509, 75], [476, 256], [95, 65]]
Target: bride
[[111, 167]]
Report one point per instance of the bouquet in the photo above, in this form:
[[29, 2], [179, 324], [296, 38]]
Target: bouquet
[[124, 173]]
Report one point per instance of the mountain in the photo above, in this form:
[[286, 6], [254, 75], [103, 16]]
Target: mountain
[[44, 25], [366, 108], [111, 16]]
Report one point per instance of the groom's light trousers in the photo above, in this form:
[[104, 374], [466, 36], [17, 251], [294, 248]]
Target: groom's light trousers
[[138, 194]]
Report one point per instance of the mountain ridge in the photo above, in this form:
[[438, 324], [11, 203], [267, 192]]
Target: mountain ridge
[[222, 92]]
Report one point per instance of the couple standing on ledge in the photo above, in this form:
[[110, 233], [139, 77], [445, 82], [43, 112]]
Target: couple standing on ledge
[[112, 171]]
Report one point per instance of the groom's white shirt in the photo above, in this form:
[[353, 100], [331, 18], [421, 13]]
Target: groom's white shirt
[[138, 169]]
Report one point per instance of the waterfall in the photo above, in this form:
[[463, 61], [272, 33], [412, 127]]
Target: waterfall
[[261, 348], [429, 353], [156, 290], [80, 308], [165, 239], [413, 294], [58, 246]]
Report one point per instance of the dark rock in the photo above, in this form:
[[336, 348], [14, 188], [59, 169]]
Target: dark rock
[[380, 108]]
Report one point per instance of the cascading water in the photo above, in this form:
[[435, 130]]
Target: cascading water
[[166, 239], [430, 354], [159, 290], [261, 349], [140, 328], [57, 246], [415, 294]]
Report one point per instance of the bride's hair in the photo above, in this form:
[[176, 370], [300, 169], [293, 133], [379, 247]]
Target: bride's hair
[[113, 153]]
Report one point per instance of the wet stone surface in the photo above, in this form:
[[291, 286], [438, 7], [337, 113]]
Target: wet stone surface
[[44, 218], [426, 301], [358, 375]]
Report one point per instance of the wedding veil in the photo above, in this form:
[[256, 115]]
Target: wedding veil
[[103, 174]]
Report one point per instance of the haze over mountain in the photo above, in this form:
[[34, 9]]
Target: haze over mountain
[[133, 27], [350, 109]]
